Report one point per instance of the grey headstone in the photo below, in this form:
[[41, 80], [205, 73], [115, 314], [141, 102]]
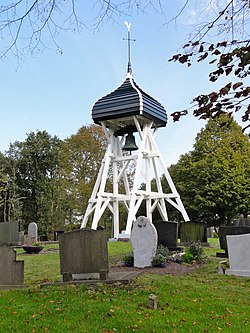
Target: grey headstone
[[144, 242], [32, 232], [239, 253], [83, 251], [9, 233], [11, 270]]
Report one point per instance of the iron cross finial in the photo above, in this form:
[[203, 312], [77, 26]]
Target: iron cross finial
[[128, 25]]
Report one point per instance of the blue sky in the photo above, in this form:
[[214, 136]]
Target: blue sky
[[56, 92]]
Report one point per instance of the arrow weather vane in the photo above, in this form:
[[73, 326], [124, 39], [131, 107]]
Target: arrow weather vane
[[128, 25]]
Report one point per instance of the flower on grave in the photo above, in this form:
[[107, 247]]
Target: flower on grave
[[36, 244]]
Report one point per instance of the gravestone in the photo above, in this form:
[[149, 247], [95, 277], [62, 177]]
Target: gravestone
[[239, 253], [83, 251], [193, 232], [9, 233], [167, 232], [241, 221], [11, 270], [32, 233], [57, 233], [230, 230], [144, 242]]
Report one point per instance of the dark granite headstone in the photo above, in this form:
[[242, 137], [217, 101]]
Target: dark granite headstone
[[193, 232], [83, 251], [43, 238], [167, 234], [231, 230], [57, 233]]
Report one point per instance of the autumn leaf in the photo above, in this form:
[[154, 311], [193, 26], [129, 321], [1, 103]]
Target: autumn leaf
[[183, 59], [202, 57], [237, 85], [213, 96], [225, 90]]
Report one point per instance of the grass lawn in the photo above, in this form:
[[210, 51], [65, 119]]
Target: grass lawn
[[202, 301]]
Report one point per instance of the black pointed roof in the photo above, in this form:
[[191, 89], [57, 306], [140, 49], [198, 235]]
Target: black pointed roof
[[118, 107]]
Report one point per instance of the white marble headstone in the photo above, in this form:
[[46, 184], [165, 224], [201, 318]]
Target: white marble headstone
[[238, 253], [32, 232], [144, 242]]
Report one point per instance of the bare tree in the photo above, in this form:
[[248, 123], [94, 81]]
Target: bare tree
[[28, 26], [24, 24]]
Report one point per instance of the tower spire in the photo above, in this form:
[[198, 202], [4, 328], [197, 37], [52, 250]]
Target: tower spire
[[128, 25]]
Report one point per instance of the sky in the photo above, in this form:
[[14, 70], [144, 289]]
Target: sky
[[55, 92]]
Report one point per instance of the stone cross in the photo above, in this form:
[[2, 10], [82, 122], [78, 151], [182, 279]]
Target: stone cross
[[144, 242]]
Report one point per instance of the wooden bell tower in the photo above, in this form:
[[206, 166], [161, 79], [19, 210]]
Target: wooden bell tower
[[124, 113]]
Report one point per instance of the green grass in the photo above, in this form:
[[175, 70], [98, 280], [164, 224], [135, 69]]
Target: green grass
[[202, 301]]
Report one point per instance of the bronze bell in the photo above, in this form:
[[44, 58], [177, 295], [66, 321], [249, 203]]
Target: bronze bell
[[130, 143]]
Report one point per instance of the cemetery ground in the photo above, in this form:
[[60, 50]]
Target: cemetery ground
[[189, 300]]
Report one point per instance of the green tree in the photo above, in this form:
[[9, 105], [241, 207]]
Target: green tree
[[34, 164], [10, 201], [80, 160], [214, 178], [3, 181]]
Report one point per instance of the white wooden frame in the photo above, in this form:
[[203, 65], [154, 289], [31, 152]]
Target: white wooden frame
[[149, 164]]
